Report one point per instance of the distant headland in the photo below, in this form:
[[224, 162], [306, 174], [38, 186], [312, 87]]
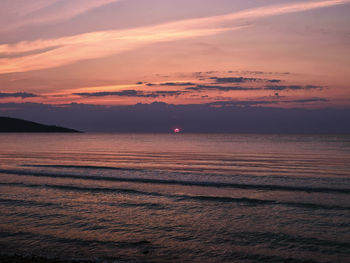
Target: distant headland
[[17, 125]]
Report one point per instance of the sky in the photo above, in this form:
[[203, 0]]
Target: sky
[[83, 62]]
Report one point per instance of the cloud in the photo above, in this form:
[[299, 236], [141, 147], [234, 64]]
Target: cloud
[[242, 80], [34, 12], [169, 93], [22, 95], [123, 93], [233, 79], [174, 84], [260, 72], [274, 80], [244, 72], [131, 93], [240, 88], [267, 11], [91, 46], [293, 87], [103, 43], [221, 88], [308, 100], [27, 53]]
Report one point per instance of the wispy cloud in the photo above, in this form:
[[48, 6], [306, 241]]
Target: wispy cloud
[[104, 43], [91, 46], [20, 8], [34, 12], [276, 10]]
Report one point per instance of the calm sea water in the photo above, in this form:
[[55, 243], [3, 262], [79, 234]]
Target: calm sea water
[[176, 197]]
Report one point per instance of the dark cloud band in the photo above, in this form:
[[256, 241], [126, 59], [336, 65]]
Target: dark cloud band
[[131, 93], [22, 95]]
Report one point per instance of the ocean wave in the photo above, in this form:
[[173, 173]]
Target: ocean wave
[[84, 167], [200, 198], [28, 257], [256, 202], [27, 203], [75, 241], [266, 187], [192, 167]]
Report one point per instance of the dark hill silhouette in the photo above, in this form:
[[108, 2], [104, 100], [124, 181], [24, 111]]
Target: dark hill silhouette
[[17, 125]]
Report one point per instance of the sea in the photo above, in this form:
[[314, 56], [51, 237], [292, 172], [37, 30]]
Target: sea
[[175, 197]]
